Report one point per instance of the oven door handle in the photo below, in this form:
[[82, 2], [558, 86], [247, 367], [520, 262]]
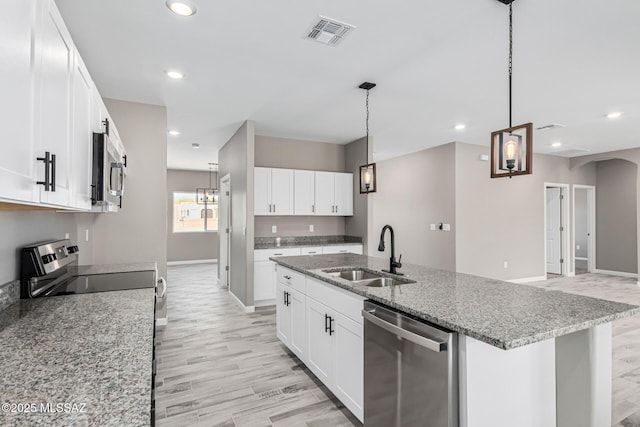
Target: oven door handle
[[162, 283], [437, 346]]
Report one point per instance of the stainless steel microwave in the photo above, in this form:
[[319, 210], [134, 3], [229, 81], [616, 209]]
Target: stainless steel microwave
[[107, 184]]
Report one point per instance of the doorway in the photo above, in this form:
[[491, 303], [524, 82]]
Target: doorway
[[224, 231], [555, 226], [584, 229]]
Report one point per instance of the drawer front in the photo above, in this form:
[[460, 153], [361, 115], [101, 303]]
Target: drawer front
[[315, 250], [265, 254], [292, 278], [343, 249], [340, 300]]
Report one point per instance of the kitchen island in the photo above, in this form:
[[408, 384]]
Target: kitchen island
[[78, 360], [527, 356]]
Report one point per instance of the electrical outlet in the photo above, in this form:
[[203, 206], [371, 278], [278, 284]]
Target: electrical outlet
[[578, 247], [446, 227], [66, 235], [274, 228], [506, 265], [433, 227], [86, 235], [311, 228]]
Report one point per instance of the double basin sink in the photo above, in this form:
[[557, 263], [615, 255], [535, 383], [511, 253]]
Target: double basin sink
[[369, 278]]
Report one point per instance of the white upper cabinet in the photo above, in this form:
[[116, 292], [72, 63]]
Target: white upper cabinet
[[53, 72], [334, 194], [16, 101], [304, 192], [273, 191], [82, 135]]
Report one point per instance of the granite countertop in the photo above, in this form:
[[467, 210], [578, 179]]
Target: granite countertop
[[86, 270], [98, 357], [505, 315], [304, 241]]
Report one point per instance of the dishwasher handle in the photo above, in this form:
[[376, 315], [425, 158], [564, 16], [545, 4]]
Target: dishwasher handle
[[437, 346]]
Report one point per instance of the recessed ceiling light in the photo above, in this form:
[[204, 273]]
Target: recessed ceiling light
[[614, 115], [182, 7], [194, 145], [460, 126], [174, 74], [556, 144], [174, 133]]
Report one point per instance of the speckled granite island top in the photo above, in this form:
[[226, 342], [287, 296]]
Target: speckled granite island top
[[91, 351], [502, 314]]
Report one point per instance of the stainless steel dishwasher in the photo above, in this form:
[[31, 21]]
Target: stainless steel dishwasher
[[410, 371]]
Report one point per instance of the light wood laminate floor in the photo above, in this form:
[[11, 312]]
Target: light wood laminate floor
[[218, 366]]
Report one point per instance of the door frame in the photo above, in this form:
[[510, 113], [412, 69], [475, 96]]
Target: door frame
[[225, 243], [591, 226], [566, 268]]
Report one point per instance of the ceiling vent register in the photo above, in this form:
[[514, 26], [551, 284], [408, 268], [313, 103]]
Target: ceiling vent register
[[328, 31]]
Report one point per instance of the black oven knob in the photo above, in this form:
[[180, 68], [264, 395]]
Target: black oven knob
[[46, 259], [73, 249]]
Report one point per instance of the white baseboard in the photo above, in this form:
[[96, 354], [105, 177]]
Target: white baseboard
[[528, 279], [193, 261], [579, 258], [615, 273], [571, 274], [246, 309], [265, 302]]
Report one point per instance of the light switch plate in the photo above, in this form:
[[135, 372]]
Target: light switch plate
[[311, 228], [274, 228], [446, 227], [433, 227]]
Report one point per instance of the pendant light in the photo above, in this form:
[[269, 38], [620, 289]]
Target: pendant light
[[368, 183], [511, 148], [209, 195]]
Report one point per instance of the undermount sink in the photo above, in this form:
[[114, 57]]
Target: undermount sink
[[368, 278]]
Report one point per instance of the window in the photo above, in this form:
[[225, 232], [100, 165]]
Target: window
[[188, 216]]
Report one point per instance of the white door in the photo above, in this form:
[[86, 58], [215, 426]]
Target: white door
[[18, 156], [298, 324], [282, 191], [304, 192], [54, 58], [262, 191], [344, 194], [320, 344], [82, 138], [283, 315], [554, 230], [349, 367], [264, 281], [325, 193], [224, 229]]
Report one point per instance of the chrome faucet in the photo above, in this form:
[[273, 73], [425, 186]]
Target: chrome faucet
[[393, 264]]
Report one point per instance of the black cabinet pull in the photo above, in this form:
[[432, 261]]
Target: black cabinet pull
[[288, 299], [47, 161], [327, 324], [125, 160], [120, 202], [331, 331], [53, 172], [284, 297]]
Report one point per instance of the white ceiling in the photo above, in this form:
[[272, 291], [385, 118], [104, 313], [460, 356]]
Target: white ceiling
[[436, 63]]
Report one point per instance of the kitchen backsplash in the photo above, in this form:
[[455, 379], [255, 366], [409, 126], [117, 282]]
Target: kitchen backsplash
[[299, 226]]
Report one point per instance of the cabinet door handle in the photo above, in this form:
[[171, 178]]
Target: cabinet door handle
[[326, 323], [53, 172], [269, 208], [277, 255], [288, 299], [312, 252], [284, 297], [313, 208], [46, 160], [331, 330], [287, 277], [274, 207]]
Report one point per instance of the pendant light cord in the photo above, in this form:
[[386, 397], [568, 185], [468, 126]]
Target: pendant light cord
[[367, 123], [510, 60]]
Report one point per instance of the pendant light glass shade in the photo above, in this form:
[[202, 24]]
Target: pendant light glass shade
[[368, 183]]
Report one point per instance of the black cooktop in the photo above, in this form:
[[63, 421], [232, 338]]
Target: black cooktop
[[103, 283]]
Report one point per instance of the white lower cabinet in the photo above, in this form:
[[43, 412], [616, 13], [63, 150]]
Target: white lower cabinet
[[326, 334], [264, 274]]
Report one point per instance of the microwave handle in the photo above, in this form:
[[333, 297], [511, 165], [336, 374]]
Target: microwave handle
[[116, 165]]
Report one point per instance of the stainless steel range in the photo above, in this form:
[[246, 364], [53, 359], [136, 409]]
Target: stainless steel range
[[50, 269]]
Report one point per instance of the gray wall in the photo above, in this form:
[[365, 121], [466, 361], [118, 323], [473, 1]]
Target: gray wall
[[189, 246], [236, 158], [357, 225], [414, 191], [616, 216], [299, 154], [503, 219], [21, 228], [582, 223], [138, 233]]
